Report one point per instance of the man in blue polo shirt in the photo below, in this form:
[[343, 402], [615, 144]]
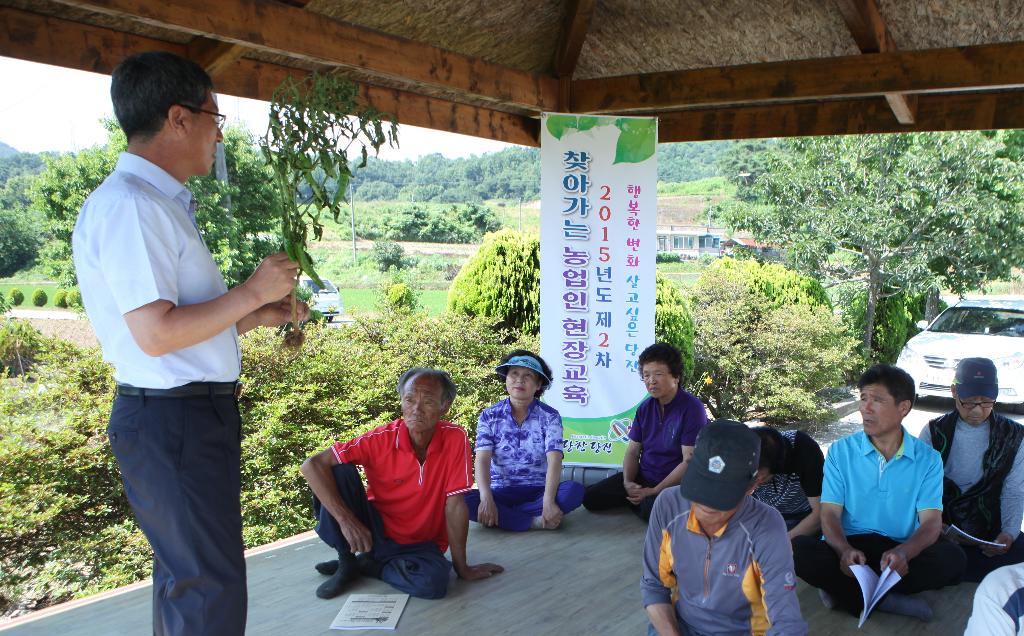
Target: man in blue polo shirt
[[881, 506]]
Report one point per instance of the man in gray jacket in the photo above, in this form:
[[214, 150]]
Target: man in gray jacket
[[983, 466], [716, 561]]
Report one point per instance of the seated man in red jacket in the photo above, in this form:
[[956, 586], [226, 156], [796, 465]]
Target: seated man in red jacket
[[417, 469]]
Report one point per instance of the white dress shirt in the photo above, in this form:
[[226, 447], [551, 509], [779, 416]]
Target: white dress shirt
[[136, 242]]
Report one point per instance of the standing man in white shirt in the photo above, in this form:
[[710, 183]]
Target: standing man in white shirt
[[169, 325]]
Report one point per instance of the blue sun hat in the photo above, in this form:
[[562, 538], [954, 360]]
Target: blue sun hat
[[527, 362]]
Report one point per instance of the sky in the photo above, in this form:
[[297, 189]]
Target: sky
[[60, 109]]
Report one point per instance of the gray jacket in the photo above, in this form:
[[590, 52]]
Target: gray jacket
[[740, 581]]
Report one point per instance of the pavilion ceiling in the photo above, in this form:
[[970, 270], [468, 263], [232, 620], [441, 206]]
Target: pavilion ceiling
[[709, 70]]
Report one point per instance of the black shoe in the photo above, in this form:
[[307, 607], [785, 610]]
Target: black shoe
[[346, 573], [368, 566], [327, 568]]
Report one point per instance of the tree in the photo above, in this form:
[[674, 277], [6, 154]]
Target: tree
[[893, 213], [20, 238], [238, 238]]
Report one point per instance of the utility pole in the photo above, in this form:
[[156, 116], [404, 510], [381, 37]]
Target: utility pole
[[220, 168], [352, 202]]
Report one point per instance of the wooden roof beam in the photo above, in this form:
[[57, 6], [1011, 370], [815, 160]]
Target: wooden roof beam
[[50, 40], [570, 45], [937, 112], [982, 67], [279, 29], [213, 55], [868, 29]]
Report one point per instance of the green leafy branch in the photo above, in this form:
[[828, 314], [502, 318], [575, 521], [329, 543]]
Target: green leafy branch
[[314, 123]]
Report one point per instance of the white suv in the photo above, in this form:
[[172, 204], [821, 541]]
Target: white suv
[[325, 299], [991, 329]]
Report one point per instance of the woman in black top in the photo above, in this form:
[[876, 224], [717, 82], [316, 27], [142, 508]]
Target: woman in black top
[[789, 478]]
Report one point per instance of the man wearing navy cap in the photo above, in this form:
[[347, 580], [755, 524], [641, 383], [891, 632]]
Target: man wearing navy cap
[[717, 561], [984, 468]]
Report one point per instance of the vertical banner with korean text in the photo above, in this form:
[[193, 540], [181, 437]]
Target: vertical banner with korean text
[[599, 178]]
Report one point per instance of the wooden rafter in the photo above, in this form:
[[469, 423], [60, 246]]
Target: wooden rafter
[[280, 29], [49, 40], [989, 66], [936, 112], [570, 44], [213, 55], [869, 31]]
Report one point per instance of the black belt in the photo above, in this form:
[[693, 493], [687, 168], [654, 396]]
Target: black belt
[[192, 389]]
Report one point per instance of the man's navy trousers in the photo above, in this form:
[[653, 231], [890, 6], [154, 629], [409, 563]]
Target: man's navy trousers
[[180, 461], [418, 569]]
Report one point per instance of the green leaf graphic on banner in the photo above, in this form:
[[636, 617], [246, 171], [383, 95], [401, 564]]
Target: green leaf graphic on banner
[[588, 122], [558, 125], [637, 141]]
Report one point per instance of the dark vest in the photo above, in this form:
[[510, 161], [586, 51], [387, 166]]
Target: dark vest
[[977, 511]]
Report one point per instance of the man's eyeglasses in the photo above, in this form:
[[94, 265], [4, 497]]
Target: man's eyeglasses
[[220, 118], [970, 406]]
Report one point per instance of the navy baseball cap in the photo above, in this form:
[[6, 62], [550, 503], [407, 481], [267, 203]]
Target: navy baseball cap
[[723, 465], [976, 377]]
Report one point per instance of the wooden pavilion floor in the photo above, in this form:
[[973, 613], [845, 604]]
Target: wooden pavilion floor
[[582, 579]]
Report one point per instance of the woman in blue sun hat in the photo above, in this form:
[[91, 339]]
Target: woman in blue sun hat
[[519, 454]]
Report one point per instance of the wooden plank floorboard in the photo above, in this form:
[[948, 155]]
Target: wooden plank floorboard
[[582, 579]]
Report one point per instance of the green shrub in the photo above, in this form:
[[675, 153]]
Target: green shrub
[[667, 257], [20, 345], [501, 282], [673, 322], [765, 343], [388, 254], [399, 296], [39, 298], [774, 284], [65, 525], [17, 296], [60, 298], [74, 298]]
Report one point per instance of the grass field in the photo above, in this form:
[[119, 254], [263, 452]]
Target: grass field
[[28, 288], [365, 300]]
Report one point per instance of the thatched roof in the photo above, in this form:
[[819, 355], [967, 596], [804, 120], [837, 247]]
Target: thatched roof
[[708, 70]]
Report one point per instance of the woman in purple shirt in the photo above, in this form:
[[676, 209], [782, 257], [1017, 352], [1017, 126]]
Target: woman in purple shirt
[[519, 454], [661, 438]]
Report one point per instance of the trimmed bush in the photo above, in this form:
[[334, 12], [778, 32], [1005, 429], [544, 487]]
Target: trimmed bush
[[673, 322], [772, 283], [501, 282], [60, 298], [17, 296], [74, 298], [399, 296], [765, 343], [667, 257], [39, 298]]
